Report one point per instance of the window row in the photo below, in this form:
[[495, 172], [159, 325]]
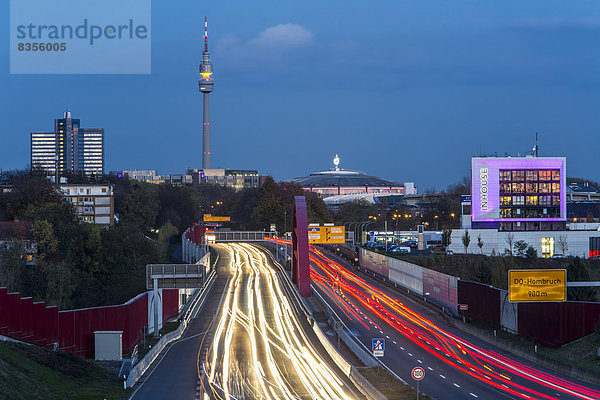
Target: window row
[[529, 187], [529, 200], [530, 213], [530, 175]]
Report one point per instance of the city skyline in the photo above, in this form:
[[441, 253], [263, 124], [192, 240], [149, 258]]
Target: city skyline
[[69, 148], [389, 87]]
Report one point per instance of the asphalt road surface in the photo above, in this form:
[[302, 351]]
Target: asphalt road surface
[[457, 366], [259, 350], [174, 374]]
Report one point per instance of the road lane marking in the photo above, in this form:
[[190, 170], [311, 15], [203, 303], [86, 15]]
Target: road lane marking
[[429, 368], [387, 336], [402, 347], [395, 342], [442, 376], [473, 394], [456, 384], [410, 354], [420, 362]]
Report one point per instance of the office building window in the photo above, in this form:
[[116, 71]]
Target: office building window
[[518, 188], [505, 175], [518, 200], [545, 175], [547, 247], [505, 187], [532, 200], [532, 175], [518, 175], [531, 187]]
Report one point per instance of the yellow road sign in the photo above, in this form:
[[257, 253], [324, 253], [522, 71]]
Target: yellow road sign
[[335, 234], [537, 285], [214, 218], [326, 234], [315, 234]]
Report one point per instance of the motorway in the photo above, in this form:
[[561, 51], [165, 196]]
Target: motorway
[[174, 375], [259, 350], [457, 366]]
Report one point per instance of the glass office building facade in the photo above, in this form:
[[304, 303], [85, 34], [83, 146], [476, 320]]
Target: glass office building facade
[[518, 193], [70, 148]]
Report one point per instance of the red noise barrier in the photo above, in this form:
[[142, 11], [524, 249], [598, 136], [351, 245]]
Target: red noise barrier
[[73, 330]]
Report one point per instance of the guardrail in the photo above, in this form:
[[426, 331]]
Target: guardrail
[[199, 298]]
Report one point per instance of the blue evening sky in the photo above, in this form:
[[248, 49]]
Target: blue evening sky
[[405, 90]]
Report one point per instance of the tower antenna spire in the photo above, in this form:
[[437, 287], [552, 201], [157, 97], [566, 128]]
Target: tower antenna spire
[[205, 34], [206, 85]]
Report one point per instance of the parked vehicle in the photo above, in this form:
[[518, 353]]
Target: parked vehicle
[[558, 255], [400, 250]]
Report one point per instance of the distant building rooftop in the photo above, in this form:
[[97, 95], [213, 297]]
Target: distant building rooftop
[[339, 181]]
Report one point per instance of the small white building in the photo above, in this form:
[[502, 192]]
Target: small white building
[[581, 243], [92, 203]]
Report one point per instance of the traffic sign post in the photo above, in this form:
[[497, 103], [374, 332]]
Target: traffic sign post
[[378, 347], [537, 285], [417, 374]]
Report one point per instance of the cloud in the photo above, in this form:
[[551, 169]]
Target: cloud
[[558, 23], [283, 35]]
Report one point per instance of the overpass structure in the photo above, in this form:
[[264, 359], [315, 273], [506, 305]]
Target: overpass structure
[[238, 236]]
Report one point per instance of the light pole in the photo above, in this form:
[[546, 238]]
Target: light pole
[[354, 231]]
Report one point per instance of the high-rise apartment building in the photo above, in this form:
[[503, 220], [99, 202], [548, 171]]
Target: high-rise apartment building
[[70, 148]]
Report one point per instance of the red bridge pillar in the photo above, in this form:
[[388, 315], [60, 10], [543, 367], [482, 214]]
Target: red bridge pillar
[[300, 261]]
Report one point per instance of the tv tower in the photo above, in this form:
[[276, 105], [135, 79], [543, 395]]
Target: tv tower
[[206, 85]]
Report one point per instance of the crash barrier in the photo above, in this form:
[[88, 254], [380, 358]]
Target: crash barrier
[[73, 330], [435, 286], [198, 300]]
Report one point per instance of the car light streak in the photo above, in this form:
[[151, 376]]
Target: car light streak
[[259, 349], [351, 293]]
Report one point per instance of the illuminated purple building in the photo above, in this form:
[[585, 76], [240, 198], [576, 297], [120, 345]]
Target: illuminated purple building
[[518, 194]]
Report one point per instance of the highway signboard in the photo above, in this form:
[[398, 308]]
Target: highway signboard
[[214, 218], [314, 234], [326, 234], [417, 373], [537, 285], [378, 347]]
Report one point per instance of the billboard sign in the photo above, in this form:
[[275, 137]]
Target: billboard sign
[[214, 218], [326, 234], [537, 285], [528, 188]]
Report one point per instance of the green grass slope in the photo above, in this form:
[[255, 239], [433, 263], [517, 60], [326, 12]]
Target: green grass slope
[[31, 372]]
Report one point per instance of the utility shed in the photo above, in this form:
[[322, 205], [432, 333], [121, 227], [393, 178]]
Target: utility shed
[[108, 345]]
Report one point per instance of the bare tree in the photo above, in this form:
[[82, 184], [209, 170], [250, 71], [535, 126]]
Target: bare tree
[[466, 239], [510, 238], [563, 245], [480, 244]]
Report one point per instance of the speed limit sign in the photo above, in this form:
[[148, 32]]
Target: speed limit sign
[[418, 373]]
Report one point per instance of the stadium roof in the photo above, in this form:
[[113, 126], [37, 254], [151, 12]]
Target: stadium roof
[[343, 178]]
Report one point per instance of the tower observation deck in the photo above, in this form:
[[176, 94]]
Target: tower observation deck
[[206, 85]]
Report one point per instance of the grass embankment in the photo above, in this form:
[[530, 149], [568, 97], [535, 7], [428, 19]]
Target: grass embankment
[[581, 352], [31, 372], [389, 386], [145, 346]]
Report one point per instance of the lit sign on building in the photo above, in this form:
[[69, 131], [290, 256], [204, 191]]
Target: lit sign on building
[[518, 189]]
